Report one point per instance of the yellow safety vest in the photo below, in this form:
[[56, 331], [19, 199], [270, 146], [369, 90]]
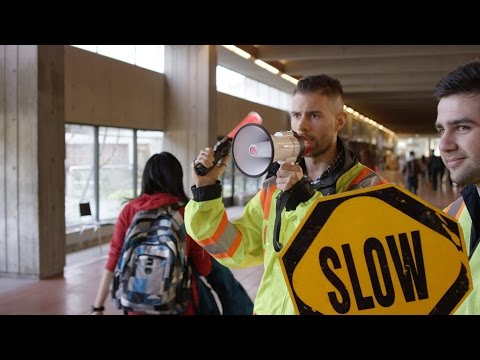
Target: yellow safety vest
[[471, 305], [247, 241]]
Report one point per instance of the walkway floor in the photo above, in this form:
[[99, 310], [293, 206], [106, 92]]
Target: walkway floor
[[73, 293]]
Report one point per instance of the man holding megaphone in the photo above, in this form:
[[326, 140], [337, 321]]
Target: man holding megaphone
[[271, 217]]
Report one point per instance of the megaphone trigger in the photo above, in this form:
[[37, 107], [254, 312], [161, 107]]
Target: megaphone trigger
[[221, 149]]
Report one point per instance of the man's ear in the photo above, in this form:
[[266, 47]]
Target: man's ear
[[341, 120]]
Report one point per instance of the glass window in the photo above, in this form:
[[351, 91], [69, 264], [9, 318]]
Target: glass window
[[251, 88], [263, 93], [227, 181], [79, 170], [229, 81], [148, 143], [115, 170], [274, 97], [151, 57], [285, 101], [243, 185], [124, 53], [235, 84], [239, 184], [91, 48]]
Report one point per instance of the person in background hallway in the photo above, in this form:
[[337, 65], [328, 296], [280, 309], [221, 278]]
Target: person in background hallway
[[367, 158], [449, 179], [440, 169], [434, 164], [401, 162], [458, 123], [162, 184], [430, 169], [423, 169], [317, 116], [411, 170]]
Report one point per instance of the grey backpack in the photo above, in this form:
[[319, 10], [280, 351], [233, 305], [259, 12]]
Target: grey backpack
[[153, 275]]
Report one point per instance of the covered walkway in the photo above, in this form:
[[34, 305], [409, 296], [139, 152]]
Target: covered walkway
[[73, 293]]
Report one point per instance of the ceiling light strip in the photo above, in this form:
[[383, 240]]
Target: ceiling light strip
[[266, 66], [294, 81], [238, 51], [289, 78]]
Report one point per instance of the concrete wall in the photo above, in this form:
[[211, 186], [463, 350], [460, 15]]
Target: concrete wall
[[190, 102], [43, 87], [103, 91]]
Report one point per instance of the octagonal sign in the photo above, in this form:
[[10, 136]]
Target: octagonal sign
[[379, 250]]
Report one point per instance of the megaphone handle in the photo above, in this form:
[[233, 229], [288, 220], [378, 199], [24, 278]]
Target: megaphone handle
[[221, 149]]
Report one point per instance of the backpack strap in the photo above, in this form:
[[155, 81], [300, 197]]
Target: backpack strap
[[177, 205]]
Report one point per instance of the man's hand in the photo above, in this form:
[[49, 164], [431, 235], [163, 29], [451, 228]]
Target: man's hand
[[288, 175], [206, 158]]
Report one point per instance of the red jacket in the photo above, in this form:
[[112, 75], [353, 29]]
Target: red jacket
[[200, 259]]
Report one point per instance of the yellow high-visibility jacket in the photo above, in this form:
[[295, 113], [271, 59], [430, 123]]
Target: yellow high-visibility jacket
[[460, 209], [247, 241]]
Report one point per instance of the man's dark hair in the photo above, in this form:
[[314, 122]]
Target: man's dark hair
[[325, 84], [163, 173], [463, 80]]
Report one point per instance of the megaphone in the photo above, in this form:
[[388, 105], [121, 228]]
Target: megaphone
[[254, 149], [222, 147]]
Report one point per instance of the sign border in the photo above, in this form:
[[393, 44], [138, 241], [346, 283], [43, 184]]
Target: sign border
[[397, 197]]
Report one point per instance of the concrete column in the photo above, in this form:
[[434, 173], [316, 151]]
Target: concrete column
[[32, 153], [191, 102]]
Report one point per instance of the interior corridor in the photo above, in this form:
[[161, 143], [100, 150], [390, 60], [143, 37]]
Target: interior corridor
[[73, 293]]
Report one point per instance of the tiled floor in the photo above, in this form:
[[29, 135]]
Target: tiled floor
[[444, 195], [73, 293]]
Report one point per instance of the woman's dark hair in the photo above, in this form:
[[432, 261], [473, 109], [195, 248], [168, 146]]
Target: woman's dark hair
[[163, 173]]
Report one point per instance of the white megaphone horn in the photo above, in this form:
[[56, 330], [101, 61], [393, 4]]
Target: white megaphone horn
[[254, 149]]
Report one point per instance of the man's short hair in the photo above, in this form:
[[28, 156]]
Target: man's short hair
[[323, 84], [463, 80]]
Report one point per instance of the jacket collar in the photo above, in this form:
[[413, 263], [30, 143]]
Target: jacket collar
[[345, 159], [472, 203]]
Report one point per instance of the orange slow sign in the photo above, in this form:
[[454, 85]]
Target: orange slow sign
[[380, 250]]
